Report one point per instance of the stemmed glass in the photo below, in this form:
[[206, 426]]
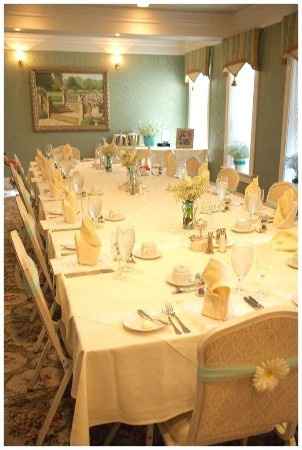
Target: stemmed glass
[[252, 204], [264, 258], [125, 241], [48, 151], [221, 188], [242, 257], [77, 183], [95, 206]]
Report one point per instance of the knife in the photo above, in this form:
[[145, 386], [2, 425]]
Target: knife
[[256, 302], [144, 315]]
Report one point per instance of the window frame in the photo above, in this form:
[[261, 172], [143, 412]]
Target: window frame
[[243, 176], [284, 121], [208, 112]]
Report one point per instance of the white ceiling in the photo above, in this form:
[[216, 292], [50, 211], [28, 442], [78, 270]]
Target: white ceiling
[[159, 29]]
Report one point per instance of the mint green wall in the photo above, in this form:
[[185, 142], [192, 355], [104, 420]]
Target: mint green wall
[[146, 88], [269, 108]]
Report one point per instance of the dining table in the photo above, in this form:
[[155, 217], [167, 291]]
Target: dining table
[[141, 377]]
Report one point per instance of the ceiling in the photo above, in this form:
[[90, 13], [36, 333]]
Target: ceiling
[[159, 29]]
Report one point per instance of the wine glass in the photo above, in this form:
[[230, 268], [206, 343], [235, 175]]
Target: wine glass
[[252, 204], [95, 206], [125, 242], [77, 183], [48, 151], [242, 257], [221, 188], [264, 258]]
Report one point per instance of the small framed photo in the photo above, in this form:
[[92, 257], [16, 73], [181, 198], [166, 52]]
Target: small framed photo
[[184, 137]]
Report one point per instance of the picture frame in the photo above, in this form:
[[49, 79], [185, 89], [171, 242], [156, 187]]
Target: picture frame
[[69, 100], [184, 137]]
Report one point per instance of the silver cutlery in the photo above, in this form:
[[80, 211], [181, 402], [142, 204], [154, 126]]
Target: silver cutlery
[[144, 315], [258, 305], [252, 302], [176, 330], [179, 290], [171, 311]]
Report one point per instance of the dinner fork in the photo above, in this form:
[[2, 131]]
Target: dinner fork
[[171, 312], [176, 330]]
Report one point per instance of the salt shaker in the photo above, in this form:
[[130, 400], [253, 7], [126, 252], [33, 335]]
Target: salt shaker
[[210, 246]]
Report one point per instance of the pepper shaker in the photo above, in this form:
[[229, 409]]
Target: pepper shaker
[[210, 246], [222, 241]]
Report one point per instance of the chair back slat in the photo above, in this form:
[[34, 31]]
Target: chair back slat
[[22, 191], [232, 408], [31, 230], [32, 277], [192, 166]]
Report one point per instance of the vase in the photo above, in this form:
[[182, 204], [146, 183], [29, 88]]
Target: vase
[[132, 180], [188, 214], [238, 163], [108, 163], [149, 141]]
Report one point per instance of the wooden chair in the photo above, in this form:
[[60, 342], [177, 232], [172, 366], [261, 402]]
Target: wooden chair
[[22, 191], [170, 163], [232, 176], [35, 240], [230, 407], [53, 338], [26, 179], [277, 190], [192, 166]]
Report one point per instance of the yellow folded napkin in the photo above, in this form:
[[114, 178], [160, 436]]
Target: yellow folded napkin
[[216, 299], [56, 183], [286, 210], [88, 244], [285, 241], [252, 189], [67, 152], [70, 206], [204, 172]]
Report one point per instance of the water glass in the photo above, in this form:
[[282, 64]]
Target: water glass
[[242, 257], [221, 188], [95, 207]]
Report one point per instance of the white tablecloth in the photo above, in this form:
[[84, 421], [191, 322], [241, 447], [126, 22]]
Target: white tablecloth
[[141, 378]]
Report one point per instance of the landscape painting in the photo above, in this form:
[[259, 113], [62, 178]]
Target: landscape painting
[[69, 100]]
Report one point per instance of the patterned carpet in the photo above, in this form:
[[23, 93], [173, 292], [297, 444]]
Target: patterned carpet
[[25, 410]]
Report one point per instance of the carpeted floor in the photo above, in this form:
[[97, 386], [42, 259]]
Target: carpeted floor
[[25, 410]]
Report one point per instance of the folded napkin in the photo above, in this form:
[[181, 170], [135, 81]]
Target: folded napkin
[[252, 189], [204, 172], [56, 183], [286, 211], [88, 244], [285, 241], [67, 152], [70, 206], [216, 299]]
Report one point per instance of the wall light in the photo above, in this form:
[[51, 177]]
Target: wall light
[[117, 59], [20, 56], [143, 4]]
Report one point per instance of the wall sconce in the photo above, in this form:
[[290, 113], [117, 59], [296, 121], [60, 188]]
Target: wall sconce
[[117, 60], [20, 56]]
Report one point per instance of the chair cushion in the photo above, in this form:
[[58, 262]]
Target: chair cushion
[[178, 427]]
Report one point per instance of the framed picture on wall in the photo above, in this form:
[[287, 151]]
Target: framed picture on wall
[[184, 137], [69, 100]]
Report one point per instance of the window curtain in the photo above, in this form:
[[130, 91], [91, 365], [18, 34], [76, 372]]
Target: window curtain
[[240, 49], [197, 62], [289, 27]]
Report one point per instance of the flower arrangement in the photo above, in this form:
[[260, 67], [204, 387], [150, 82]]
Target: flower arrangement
[[149, 129], [109, 150], [189, 189], [238, 150], [269, 373], [130, 156]]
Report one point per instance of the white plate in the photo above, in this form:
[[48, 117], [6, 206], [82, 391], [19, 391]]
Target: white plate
[[114, 219], [134, 322], [172, 282], [137, 254], [240, 230], [69, 246], [291, 262]]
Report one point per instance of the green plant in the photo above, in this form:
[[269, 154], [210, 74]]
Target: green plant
[[238, 151], [148, 129]]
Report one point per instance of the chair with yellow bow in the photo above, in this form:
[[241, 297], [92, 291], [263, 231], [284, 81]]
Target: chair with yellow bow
[[231, 175], [247, 383], [277, 190]]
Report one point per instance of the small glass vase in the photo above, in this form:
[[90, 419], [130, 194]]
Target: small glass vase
[[188, 214], [132, 180], [108, 163]]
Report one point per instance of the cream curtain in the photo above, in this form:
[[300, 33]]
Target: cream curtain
[[197, 62], [289, 37], [240, 49]]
